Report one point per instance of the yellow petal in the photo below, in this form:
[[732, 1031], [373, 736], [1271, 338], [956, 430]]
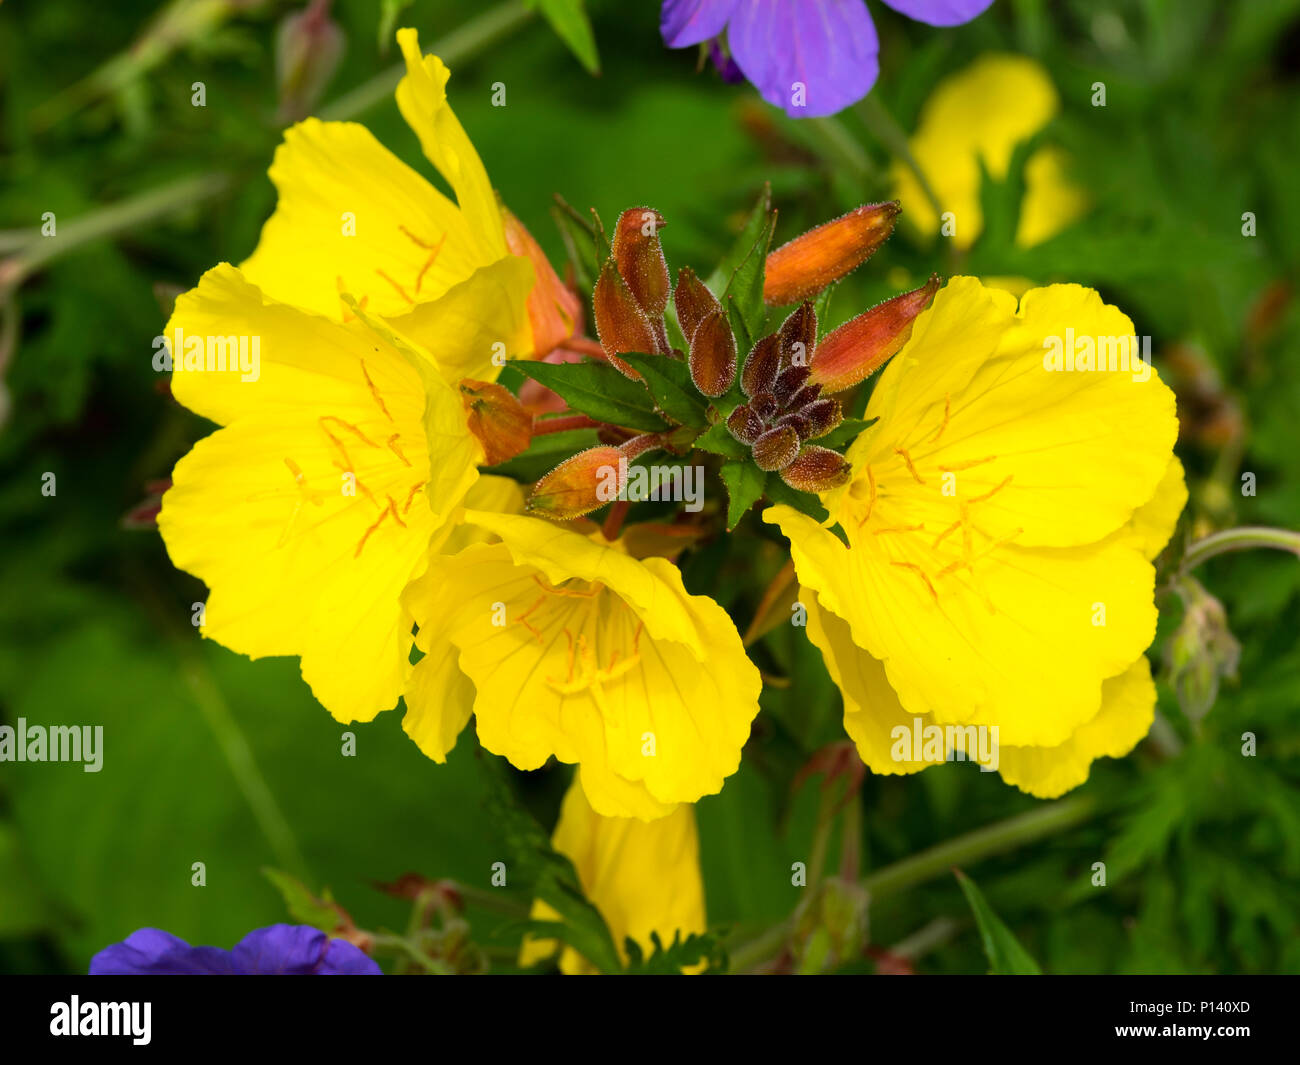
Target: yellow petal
[[979, 113], [581, 653], [1127, 710], [1051, 201], [422, 99], [642, 877], [439, 701], [1022, 642], [1153, 523], [353, 218], [477, 324]]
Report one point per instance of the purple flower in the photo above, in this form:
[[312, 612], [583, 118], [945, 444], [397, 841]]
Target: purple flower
[[808, 57], [282, 949]]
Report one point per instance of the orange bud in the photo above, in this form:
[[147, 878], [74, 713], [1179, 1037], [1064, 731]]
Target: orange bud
[[776, 448], [621, 324], [694, 302], [502, 425], [817, 469], [813, 260], [580, 484], [554, 310], [861, 346], [713, 355], [640, 258]]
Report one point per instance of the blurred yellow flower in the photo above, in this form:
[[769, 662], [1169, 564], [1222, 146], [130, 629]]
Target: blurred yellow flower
[[642, 876], [983, 113], [563, 645], [1000, 521]]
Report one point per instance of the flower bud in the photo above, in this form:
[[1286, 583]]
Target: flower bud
[[694, 302], [759, 374], [554, 310], [713, 355], [798, 336], [640, 258], [776, 448], [812, 261], [744, 424], [621, 324], [816, 469], [789, 382], [502, 425], [1202, 650], [308, 47], [820, 418], [580, 484], [859, 347]]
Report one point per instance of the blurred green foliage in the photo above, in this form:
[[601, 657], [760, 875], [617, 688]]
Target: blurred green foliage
[[212, 758]]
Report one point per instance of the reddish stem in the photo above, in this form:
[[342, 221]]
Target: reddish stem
[[542, 426], [614, 522]]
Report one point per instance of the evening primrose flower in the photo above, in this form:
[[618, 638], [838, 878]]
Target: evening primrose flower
[[983, 113], [335, 473], [1000, 522], [566, 646], [355, 223], [643, 877], [808, 57]]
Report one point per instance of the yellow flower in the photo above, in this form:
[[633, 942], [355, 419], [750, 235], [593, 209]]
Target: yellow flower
[[1000, 522], [566, 646], [984, 112], [354, 221], [642, 877]]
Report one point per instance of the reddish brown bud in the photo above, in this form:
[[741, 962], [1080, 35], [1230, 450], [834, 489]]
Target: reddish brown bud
[[502, 425], [764, 405], [744, 424], [776, 448], [817, 469], [694, 302], [621, 324], [813, 260], [859, 347], [804, 396], [790, 380], [713, 355], [820, 418], [798, 336], [759, 374], [580, 484], [640, 258]]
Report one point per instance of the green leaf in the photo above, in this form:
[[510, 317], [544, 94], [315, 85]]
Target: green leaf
[[544, 454], [568, 18], [303, 906], [804, 502], [845, 433], [599, 391], [744, 483], [749, 234], [822, 305], [669, 381], [719, 441], [550, 875], [678, 955], [743, 297], [579, 237], [1006, 956]]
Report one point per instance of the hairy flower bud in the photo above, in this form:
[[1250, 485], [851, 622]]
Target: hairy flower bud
[[713, 355], [816, 469], [502, 425], [820, 418], [789, 382], [813, 260], [308, 48], [694, 302], [744, 424], [640, 258], [798, 336], [621, 324], [859, 347], [580, 484], [776, 448], [759, 374]]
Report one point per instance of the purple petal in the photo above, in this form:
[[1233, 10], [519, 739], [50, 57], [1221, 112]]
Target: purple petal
[[725, 65], [941, 12], [298, 950], [153, 952], [687, 22], [826, 46]]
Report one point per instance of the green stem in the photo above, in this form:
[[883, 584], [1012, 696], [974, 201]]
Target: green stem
[[839, 146], [972, 847], [459, 45], [886, 130], [1240, 539], [492, 900]]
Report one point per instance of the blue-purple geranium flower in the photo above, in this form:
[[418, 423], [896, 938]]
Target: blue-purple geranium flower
[[808, 57], [282, 949]]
